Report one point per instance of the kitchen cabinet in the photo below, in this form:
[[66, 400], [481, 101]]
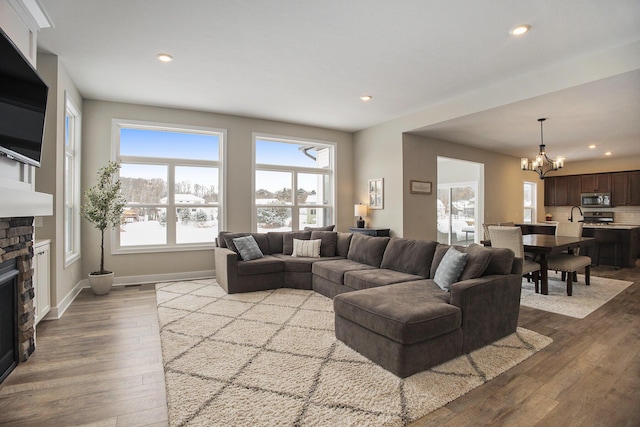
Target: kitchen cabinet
[[562, 190], [625, 188], [596, 183], [41, 269]]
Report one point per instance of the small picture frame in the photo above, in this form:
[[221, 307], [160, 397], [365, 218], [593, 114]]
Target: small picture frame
[[419, 187], [376, 193]]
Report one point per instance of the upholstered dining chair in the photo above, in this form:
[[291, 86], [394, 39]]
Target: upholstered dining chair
[[570, 263], [511, 238]]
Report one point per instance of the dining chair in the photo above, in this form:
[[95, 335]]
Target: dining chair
[[511, 238], [486, 230], [570, 263]]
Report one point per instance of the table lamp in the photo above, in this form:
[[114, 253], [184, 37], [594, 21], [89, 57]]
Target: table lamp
[[360, 211]]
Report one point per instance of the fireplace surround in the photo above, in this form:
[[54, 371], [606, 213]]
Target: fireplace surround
[[16, 254]]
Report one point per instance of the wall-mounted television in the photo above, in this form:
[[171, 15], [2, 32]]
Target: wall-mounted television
[[23, 102]]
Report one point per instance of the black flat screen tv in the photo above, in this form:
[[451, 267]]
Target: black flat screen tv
[[23, 102]]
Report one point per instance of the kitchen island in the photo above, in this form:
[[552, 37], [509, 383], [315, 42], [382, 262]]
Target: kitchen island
[[628, 236]]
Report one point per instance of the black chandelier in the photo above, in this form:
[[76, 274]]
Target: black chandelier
[[542, 164]]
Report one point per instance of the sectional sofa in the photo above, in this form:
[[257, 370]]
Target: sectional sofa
[[388, 302]]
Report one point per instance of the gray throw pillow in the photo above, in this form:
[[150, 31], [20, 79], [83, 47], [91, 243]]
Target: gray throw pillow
[[248, 248], [450, 268], [478, 258], [287, 240]]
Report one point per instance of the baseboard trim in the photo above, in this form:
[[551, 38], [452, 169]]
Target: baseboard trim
[[57, 311], [157, 278]]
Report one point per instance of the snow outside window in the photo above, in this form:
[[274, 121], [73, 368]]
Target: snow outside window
[[172, 179], [283, 164]]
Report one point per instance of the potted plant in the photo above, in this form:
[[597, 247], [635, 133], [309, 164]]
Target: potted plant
[[103, 207]]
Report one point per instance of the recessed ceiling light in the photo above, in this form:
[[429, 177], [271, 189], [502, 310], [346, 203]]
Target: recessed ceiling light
[[608, 153], [592, 146], [519, 30], [165, 57], [366, 97]]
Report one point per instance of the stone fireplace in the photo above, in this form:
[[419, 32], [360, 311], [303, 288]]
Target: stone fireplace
[[16, 245]]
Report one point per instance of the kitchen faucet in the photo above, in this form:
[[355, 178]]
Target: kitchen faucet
[[579, 210]]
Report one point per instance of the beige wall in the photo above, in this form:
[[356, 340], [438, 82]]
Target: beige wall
[[97, 149], [503, 183], [49, 177]]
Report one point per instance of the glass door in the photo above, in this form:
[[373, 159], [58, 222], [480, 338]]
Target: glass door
[[457, 213]]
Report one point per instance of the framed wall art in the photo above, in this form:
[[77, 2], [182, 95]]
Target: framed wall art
[[419, 187], [376, 193]]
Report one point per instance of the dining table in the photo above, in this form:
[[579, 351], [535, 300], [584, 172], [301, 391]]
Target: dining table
[[544, 245]]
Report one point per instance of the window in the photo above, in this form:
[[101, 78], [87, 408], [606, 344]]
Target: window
[[72, 196], [530, 190], [172, 179], [283, 164]]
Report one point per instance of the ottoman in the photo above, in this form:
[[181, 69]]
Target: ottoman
[[405, 328]]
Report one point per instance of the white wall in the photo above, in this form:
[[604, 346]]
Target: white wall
[[96, 136], [50, 179]]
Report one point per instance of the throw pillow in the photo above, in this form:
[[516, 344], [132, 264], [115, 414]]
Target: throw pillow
[[450, 269], [325, 228], [329, 242], [248, 248], [306, 248]]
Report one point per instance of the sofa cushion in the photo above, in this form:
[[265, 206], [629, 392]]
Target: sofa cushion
[[264, 265], [501, 261], [334, 270], [324, 228], [287, 240], [275, 239], [299, 264], [329, 242], [247, 248], [409, 256], [367, 249], [403, 312], [306, 248], [450, 268], [478, 258], [342, 247], [364, 279]]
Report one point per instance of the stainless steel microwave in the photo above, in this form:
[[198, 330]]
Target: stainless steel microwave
[[595, 200]]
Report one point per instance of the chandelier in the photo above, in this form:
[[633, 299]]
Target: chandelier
[[542, 164]]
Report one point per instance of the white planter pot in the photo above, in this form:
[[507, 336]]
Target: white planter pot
[[101, 283]]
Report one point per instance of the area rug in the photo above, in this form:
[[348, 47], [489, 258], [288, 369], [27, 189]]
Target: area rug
[[583, 301], [271, 358]]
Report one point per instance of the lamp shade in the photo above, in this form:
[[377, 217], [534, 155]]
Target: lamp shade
[[360, 210]]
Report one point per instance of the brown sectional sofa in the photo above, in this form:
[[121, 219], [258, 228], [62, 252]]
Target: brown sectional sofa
[[387, 305]]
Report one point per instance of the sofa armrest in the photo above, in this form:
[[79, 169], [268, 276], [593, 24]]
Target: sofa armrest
[[226, 267], [490, 308]]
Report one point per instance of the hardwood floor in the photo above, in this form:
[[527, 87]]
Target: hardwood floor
[[101, 365]]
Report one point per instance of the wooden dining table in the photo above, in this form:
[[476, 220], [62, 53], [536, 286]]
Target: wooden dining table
[[545, 245]]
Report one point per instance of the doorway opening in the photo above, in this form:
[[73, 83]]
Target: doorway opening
[[460, 200]]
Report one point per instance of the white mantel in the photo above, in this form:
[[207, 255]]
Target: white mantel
[[20, 200]]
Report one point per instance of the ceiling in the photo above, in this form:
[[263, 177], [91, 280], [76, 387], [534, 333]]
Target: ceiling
[[308, 62]]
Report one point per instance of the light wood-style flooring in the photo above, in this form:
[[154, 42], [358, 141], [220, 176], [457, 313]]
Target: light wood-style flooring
[[101, 365]]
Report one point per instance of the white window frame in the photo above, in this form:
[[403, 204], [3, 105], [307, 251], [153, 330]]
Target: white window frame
[[71, 185], [534, 201], [294, 170], [171, 245]]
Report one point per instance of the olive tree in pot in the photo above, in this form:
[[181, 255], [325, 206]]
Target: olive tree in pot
[[103, 207]]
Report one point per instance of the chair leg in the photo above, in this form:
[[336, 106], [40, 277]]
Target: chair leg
[[536, 280], [569, 284], [563, 276], [587, 275], [575, 276]]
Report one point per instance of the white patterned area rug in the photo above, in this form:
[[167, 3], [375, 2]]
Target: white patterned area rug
[[583, 301], [271, 359]]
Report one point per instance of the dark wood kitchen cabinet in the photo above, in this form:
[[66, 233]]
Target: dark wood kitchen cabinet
[[596, 183], [562, 190], [625, 188]]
